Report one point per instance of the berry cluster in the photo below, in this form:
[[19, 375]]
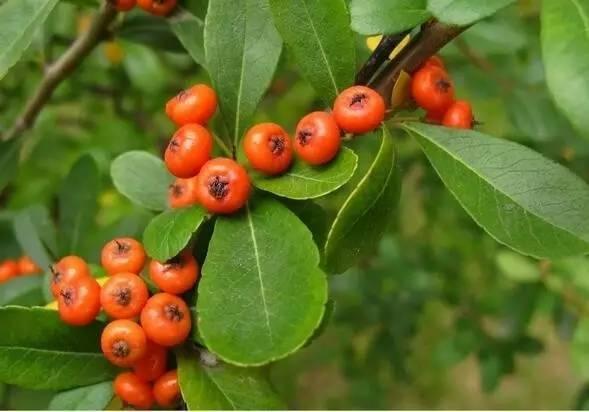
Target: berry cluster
[[433, 91], [155, 7], [164, 318], [23, 266]]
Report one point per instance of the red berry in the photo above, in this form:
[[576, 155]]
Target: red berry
[[133, 391], [223, 186], [195, 105], [157, 7], [79, 301], [268, 148], [432, 89], [359, 109], [183, 193], [317, 139], [459, 115], [189, 149], [123, 5]]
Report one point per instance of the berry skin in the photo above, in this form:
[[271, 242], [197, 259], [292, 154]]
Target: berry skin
[[317, 138], [434, 117], [268, 148], [153, 364], [223, 186], [459, 115], [122, 255], [133, 391], [189, 149], [177, 275], [66, 270], [8, 270], [359, 109], [182, 193], [435, 60], [123, 342], [123, 296], [195, 105], [166, 319], [432, 89], [166, 389], [26, 266], [79, 301], [157, 7], [123, 5]]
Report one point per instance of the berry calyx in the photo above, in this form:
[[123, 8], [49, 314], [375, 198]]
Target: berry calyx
[[268, 148], [123, 296], [223, 186], [123, 342], [166, 319]]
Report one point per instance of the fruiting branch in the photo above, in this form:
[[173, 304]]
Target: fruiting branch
[[61, 69], [379, 56]]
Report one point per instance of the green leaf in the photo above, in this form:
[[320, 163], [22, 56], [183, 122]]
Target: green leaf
[[169, 233], [189, 30], [143, 178], [77, 204], [367, 203], [464, 12], [565, 49], [88, 398], [242, 60], [580, 349], [517, 267], [8, 160], [522, 199], [30, 234], [224, 387], [261, 294], [23, 290], [303, 181], [149, 30], [387, 16], [38, 351], [318, 34], [20, 21]]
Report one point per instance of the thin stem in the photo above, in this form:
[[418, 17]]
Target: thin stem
[[379, 56], [223, 146]]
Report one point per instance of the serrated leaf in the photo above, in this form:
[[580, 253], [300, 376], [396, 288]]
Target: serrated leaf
[[303, 181], [22, 290], [261, 294], [30, 235], [464, 12], [143, 178], [8, 161], [523, 200], [318, 34], [387, 16], [367, 203], [242, 49], [88, 398], [169, 233], [151, 31], [38, 351], [224, 387], [189, 30], [565, 49], [20, 21]]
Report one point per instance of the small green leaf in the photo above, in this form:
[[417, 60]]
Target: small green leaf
[[522, 199], [88, 398], [464, 12], [8, 161], [261, 295], [39, 351], [387, 16], [318, 34], [241, 61], [224, 387], [517, 267], [20, 21], [23, 290], [303, 181], [189, 30], [30, 234], [143, 178], [149, 30], [169, 233], [565, 49]]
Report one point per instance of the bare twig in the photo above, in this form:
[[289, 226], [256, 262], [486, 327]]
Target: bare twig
[[60, 69], [379, 56]]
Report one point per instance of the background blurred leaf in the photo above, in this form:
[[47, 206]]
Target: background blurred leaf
[[150, 31], [32, 235], [8, 161], [86, 398], [189, 30], [464, 12], [387, 16], [23, 291]]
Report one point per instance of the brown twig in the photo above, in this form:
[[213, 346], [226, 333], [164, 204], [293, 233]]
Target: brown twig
[[379, 56], [61, 68]]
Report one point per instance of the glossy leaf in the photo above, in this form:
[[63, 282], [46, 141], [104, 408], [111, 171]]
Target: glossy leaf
[[464, 12], [387, 16], [565, 48], [303, 181], [169, 233], [318, 34], [224, 387], [31, 234], [87, 398], [261, 294], [149, 30], [242, 50], [38, 351], [189, 30], [522, 199], [143, 178], [22, 290], [8, 161]]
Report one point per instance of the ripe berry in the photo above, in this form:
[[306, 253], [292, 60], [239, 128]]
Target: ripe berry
[[166, 319], [166, 390], [459, 115], [133, 391], [268, 148], [123, 296], [177, 275], [183, 193], [317, 139], [359, 109], [157, 7], [435, 60], [153, 364], [27, 266], [434, 117], [121, 255], [79, 301], [189, 149], [123, 342], [195, 105], [66, 270], [8, 270], [123, 5], [432, 89], [223, 186]]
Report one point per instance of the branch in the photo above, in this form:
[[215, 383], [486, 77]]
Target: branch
[[60, 70], [379, 56]]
